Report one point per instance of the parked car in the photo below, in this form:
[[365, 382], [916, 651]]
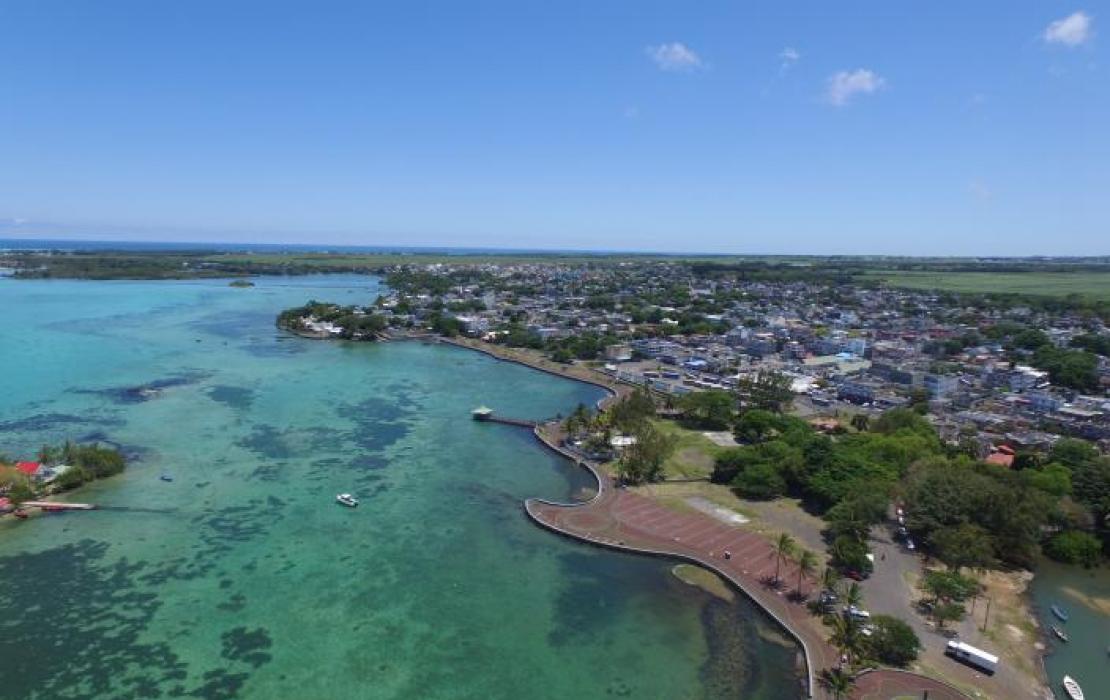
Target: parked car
[[909, 544], [856, 612]]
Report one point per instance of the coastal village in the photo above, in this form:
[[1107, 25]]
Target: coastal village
[[1001, 378], [726, 378]]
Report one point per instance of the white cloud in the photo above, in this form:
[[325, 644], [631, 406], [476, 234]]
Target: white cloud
[[789, 57], [675, 56], [844, 85], [1073, 30]]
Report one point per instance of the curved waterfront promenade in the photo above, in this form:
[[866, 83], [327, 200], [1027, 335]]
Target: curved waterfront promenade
[[620, 519]]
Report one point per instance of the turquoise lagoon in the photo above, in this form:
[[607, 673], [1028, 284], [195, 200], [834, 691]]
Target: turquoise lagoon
[[242, 579]]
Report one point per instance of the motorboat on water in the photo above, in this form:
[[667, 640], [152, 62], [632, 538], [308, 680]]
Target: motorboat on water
[[1072, 688], [1059, 613], [346, 499], [1060, 634], [166, 477]]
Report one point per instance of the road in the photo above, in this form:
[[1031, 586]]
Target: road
[[889, 591]]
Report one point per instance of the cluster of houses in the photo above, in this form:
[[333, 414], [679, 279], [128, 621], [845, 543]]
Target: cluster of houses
[[40, 476], [851, 347]]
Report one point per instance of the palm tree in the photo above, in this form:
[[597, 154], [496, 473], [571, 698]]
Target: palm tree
[[861, 422], [836, 681], [847, 636], [854, 595], [784, 548], [830, 577], [807, 564]]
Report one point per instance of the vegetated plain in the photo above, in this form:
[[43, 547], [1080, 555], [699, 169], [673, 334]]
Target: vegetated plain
[[1093, 285]]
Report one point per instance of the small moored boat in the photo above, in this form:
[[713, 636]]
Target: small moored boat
[[20, 513], [166, 477], [1059, 612], [1060, 634], [346, 499], [1072, 688]]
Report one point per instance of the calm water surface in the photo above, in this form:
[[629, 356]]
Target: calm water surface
[[241, 578], [1085, 595]]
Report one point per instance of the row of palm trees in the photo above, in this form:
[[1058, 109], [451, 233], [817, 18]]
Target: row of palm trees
[[847, 630], [847, 636], [786, 549]]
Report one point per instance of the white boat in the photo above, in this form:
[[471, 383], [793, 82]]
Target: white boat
[[346, 499], [1072, 688]]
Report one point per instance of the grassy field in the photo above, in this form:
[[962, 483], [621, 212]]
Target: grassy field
[[1094, 285], [694, 453]]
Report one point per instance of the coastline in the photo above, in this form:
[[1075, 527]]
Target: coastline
[[547, 434]]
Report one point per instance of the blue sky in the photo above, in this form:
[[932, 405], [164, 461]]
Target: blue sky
[[742, 127]]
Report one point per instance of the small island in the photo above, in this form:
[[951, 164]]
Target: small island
[[322, 320], [55, 470]]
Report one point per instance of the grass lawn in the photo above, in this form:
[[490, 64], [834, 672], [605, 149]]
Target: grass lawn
[[1094, 285], [694, 453]]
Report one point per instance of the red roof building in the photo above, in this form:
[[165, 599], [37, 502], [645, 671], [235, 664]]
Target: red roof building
[[1001, 458], [28, 468]]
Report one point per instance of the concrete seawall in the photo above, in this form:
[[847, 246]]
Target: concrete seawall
[[604, 485], [605, 521]]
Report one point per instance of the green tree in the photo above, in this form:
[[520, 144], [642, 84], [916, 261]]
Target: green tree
[[963, 545], [768, 390], [20, 490], [903, 420], [578, 420], [836, 681], [755, 425], [709, 410], [642, 461], [892, 641], [1030, 339], [783, 549], [847, 636], [1054, 479], [1073, 369], [948, 612], [849, 554], [807, 564], [760, 482], [855, 515], [632, 410], [1073, 452], [1075, 547], [861, 422], [948, 586], [853, 595]]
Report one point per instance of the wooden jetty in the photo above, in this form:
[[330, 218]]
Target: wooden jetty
[[487, 415], [51, 505]]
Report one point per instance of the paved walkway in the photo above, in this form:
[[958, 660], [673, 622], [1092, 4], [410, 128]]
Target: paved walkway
[[887, 684], [622, 519]]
